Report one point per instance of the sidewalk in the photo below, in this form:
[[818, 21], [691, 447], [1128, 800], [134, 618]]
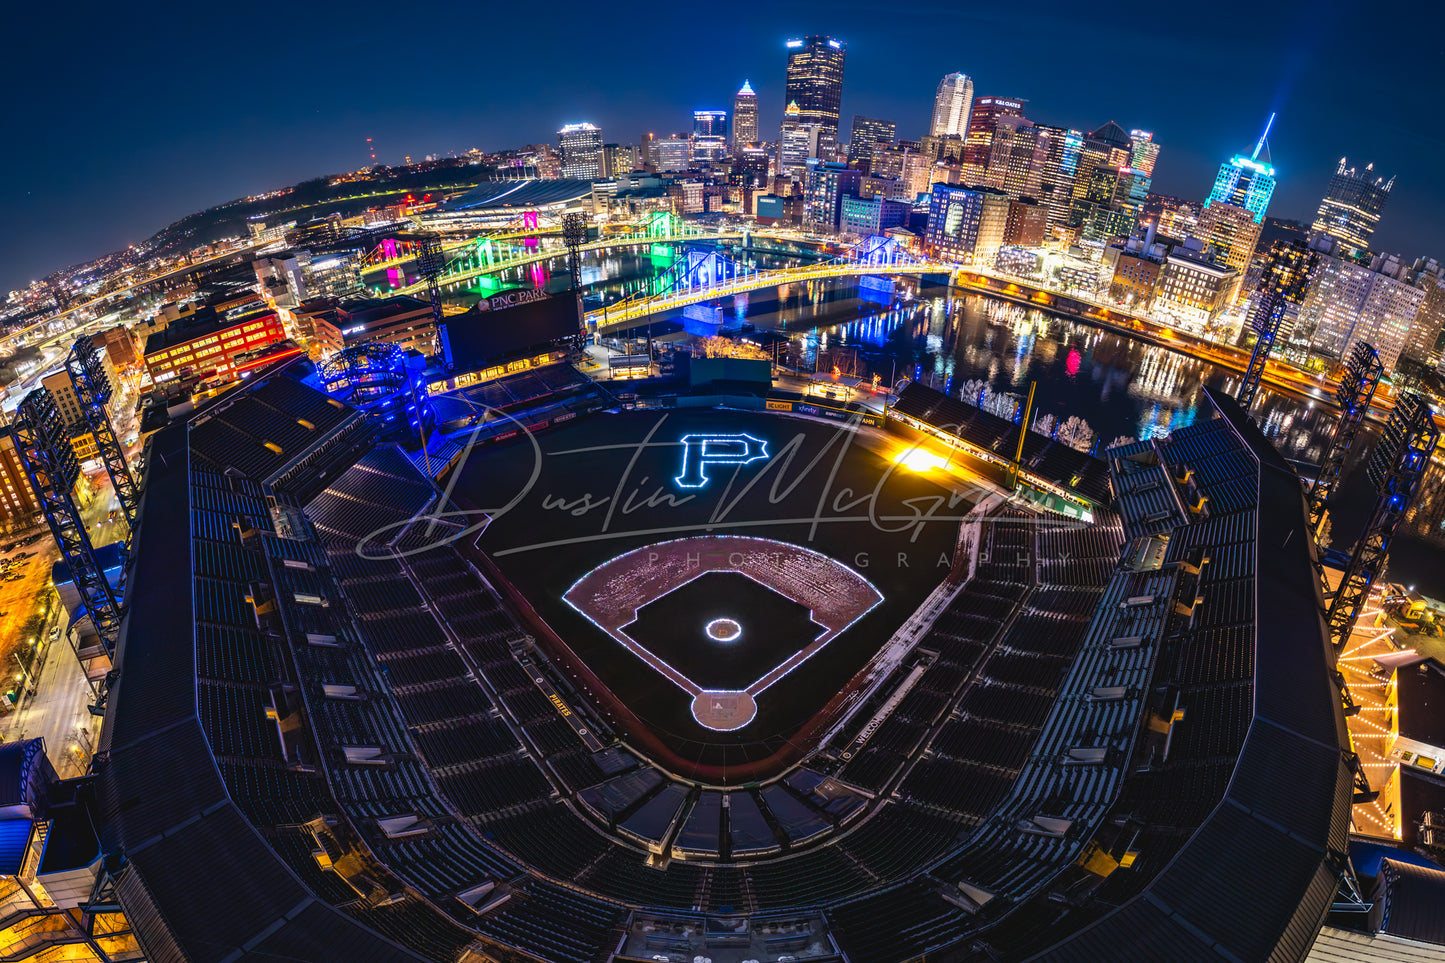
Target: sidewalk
[[57, 712]]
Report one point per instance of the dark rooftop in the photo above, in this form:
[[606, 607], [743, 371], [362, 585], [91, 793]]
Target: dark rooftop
[[1421, 691]]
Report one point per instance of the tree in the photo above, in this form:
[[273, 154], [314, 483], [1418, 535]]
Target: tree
[[717, 347], [1121, 440], [973, 392], [1045, 425], [1001, 403], [1076, 433]]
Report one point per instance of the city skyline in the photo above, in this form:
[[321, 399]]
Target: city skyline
[[85, 191]]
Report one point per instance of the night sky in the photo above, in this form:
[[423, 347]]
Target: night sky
[[120, 122]]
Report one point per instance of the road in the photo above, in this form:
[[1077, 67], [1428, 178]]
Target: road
[[57, 711]]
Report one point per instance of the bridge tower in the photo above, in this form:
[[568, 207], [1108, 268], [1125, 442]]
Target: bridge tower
[[1286, 275], [93, 387], [1395, 468], [1357, 388]]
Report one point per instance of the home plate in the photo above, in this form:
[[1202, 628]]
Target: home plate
[[723, 710]]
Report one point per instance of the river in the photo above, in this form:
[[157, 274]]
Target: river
[[947, 338]]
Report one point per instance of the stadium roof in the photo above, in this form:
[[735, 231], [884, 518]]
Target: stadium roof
[[520, 195]]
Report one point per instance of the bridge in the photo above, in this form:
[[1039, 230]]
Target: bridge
[[705, 276], [520, 244]]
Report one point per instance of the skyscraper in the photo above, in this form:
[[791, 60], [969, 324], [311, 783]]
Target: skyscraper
[[1352, 206], [581, 148], [981, 122], [866, 133], [1233, 214], [1145, 151], [1245, 181], [815, 83], [1016, 158], [797, 141], [710, 123], [745, 117], [951, 106]]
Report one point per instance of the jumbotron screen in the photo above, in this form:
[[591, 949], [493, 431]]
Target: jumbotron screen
[[505, 325]]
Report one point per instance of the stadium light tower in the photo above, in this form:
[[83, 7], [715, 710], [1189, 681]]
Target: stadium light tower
[[1395, 468], [574, 235], [1286, 275], [93, 387], [1357, 388], [431, 263]]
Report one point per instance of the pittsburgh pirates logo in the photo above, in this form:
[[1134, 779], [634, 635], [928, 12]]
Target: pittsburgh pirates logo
[[699, 451]]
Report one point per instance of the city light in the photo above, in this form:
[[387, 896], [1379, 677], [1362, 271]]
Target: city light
[[689, 543]]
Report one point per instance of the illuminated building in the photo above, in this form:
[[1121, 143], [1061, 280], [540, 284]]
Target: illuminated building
[[797, 141], [944, 148], [750, 167], [1233, 213], [827, 184], [1352, 206], [865, 136], [401, 320], [318, 327], [1194, 289], [1113, 143], [876, 185], [1028, 223], [206, 344], [581, 148], [951, 106], [1061, 148], [1136, 271], [1145, 152], [1349, 302], [119, 344], [618, 159], [745, 117], [815, 84], [707, 148], [982, 120], [710, 123], [17, 499], [1016, 158], [672, 153], [966, 224], [866, 217], [1424, 343], [1233, 230]]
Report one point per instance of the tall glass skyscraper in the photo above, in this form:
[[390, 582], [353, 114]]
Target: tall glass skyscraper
[[951, 106], [865, 135], [1352, 206], [815, 82], [581, 148], [1245, 181], [1233, 215], [745, 116]]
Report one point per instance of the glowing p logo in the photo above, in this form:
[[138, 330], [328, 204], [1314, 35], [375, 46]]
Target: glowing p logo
[[699, 451]]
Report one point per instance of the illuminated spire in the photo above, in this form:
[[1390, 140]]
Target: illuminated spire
[[747, 90], [1262, 138]]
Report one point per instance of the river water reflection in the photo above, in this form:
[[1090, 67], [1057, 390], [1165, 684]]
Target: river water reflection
[[948, 338]]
